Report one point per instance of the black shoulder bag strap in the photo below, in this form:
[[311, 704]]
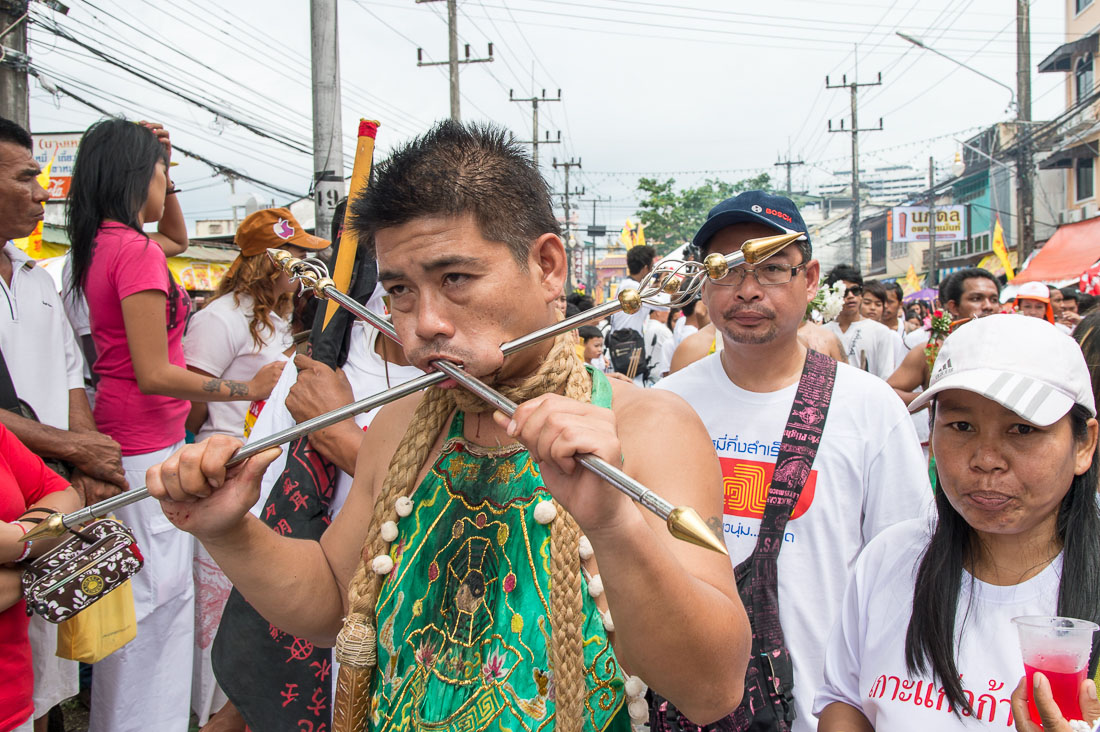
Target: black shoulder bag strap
[[768, 704], [8, 398]]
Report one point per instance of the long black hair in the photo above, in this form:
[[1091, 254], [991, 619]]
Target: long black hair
[[930, 640], [115, 161]]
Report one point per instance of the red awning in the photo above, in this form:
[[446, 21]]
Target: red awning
[[1073, 249]]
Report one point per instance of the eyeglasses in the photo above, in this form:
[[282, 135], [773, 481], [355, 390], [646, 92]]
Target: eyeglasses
[[853, 290], [765, 274]]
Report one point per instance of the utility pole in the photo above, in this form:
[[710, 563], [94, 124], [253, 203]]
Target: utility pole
[[590, 272], [535, 141], [14, 96], [452, 61], [933, 261], [788, 163], [855, 129], [570, 242], [328, 150], [1025, 194]]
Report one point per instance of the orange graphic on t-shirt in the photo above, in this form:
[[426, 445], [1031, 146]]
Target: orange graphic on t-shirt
[[745, 485]]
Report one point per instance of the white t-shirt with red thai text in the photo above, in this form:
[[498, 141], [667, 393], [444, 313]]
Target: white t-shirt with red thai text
[[865, 661], [869, 473]]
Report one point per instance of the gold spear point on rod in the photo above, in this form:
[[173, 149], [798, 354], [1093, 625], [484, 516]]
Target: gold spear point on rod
[[757, 250], [280, 256], [50, 527], [685, 524]]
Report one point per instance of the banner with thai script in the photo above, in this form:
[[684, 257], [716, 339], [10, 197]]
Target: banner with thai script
[[60, 147], [910, 223]]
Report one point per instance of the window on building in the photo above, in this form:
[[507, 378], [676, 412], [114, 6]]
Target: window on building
[[1081, 5], [1083, 77], [1085, 179]]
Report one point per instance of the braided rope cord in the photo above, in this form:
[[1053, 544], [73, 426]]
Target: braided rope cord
[[562, 367]]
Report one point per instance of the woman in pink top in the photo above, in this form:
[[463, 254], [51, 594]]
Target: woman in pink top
[[138, 315]]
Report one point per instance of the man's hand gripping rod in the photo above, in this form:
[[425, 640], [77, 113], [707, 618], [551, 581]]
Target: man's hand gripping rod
[[682, 280]]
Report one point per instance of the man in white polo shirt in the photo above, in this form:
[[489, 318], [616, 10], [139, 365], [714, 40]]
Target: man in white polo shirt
[[46, 370], [868, 473]]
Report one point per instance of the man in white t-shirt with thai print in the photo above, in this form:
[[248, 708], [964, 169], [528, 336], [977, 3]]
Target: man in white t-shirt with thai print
[[869, 471], [868, 343]]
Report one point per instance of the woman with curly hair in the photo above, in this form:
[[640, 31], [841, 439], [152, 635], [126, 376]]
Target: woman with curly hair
[[245, 327]]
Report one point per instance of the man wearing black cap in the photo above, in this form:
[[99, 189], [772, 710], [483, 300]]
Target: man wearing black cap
[[868, 472]]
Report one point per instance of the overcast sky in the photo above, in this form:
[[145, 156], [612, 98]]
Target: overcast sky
[[689, 90]]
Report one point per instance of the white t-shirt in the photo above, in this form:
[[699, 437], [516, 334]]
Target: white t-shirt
[[621, 321], [683, 331], [219, 342], [38, 344], [869, 346], [366, 372], [865, 662], [659, 347], [869, 474], [915, 338]]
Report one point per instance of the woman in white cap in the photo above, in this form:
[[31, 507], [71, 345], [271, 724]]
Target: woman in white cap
[[925, 638]]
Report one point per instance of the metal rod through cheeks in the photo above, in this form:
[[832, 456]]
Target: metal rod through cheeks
[[687, 276]]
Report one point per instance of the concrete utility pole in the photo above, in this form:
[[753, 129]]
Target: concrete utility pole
[[535, 141], [14, 95], [453, 60], [788, 163], [570, 247], [933, 261], [328, 150], [1025, 193], [854, 131]]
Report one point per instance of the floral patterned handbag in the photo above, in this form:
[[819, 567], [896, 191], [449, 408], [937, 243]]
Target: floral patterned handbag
[[95, 560]]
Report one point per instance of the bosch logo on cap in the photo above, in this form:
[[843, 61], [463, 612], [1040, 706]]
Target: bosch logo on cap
[[756, 208], [779, 214]]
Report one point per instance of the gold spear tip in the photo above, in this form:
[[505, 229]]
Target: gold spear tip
[[280, 256], [757, 250], [686, 525], [52, 526]]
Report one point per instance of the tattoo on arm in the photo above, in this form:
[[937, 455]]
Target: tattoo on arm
[[236, 388], [714, 523]]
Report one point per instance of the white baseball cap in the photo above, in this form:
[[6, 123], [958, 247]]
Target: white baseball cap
[[1024, 364]]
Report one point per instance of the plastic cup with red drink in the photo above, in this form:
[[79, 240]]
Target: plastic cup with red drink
[[1059, 648]]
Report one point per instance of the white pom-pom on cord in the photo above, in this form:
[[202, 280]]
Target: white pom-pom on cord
[[595, 586], [635, 687], [403, 505], [545, 512], [382, 564], [584, 548], [608, 623], [388, 531], [638, 710]]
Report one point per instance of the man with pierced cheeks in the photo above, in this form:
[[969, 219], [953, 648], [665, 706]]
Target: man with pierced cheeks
[[459, 517]]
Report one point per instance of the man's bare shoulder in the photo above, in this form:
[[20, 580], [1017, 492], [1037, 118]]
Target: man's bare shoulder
[[694, 347], [655, 408], [388, 427]]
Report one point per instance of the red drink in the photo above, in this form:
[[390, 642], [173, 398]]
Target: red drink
[[1065, 685]]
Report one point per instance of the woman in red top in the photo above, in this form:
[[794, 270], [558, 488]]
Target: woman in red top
[[25, 482], [138, 315]]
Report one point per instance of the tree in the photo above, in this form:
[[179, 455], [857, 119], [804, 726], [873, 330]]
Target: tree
[[672, 218]]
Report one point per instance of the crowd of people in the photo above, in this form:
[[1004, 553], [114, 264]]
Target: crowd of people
[[892, 482]]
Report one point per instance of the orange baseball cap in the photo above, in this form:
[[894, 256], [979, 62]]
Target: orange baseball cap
[[271, 228]]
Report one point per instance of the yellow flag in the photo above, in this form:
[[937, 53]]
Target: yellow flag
[[626, 236], [32, 244], [911, 280], [1000, 251], [639, 237]]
